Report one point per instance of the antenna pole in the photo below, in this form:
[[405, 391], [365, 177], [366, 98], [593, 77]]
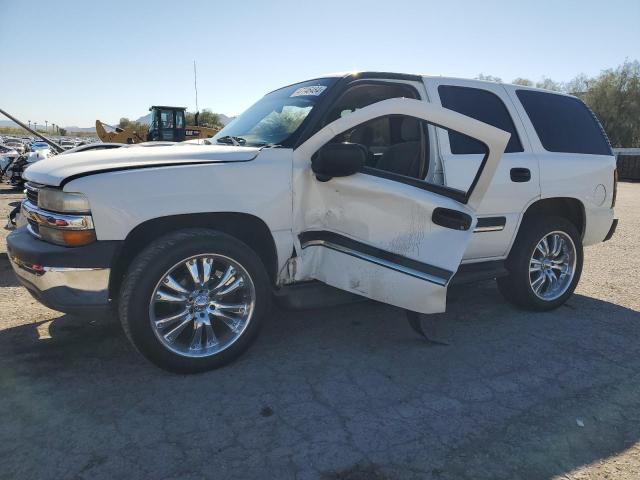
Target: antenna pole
[[195, 83]]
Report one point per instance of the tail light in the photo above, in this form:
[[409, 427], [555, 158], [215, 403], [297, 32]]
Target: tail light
[[615, 187]]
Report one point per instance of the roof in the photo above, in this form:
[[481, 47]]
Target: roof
[[369, 74], [167, 107]]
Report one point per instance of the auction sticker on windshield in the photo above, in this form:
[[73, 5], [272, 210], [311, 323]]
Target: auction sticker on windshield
[[314, 90]]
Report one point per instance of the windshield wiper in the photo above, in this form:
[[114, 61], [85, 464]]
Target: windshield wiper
[[229, 140]]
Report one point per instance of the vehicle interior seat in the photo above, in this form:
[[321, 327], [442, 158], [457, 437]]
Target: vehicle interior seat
[[405, 158], [364, 136]]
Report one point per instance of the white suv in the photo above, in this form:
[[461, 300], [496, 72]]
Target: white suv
[[387, 186]]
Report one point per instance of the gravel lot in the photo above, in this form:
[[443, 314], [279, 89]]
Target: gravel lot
[[342, 393]]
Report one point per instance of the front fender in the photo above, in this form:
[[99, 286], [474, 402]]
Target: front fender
[[122, 200]]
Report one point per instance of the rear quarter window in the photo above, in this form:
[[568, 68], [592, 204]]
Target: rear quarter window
[[482, 105], [564, 124]]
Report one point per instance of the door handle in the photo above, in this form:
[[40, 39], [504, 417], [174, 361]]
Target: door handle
[[520, 175], [445, 217]]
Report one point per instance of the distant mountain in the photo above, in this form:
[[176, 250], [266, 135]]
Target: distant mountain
[[226, 120], [80, 129], [146, 120], [9, 123]]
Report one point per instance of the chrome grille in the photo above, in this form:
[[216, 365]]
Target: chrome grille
[[32, 190]]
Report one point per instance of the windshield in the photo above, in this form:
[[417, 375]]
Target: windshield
[[276, 116]]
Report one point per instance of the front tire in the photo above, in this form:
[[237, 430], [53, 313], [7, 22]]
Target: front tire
[[544, 265], [194, 300]]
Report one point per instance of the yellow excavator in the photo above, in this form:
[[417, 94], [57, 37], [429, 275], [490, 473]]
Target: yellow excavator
[[167, 124]]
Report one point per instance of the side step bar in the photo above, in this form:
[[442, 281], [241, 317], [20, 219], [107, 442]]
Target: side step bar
[[313, 294]]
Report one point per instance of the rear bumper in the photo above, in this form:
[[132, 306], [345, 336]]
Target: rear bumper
[[70, 280], [612, 230]]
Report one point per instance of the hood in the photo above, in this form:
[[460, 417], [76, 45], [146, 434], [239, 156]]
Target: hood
[[54, 170]]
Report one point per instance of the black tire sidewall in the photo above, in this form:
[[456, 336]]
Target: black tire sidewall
[[149, 267], [517, 285]]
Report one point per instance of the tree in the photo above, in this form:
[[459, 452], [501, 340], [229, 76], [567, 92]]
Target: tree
[[549, 84], [489, 78], [206, 119], [525, 82], [579, 85], [615, 98], [63, 131], [125, 123]]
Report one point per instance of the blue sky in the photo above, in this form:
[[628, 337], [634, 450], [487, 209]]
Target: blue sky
[[70, 62]]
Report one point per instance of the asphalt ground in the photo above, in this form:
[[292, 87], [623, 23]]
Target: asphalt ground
[[347, 392]]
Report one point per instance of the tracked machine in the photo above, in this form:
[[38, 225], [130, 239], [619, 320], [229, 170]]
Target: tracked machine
[[167, 124]]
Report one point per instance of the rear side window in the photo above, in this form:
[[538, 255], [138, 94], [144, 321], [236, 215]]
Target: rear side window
[[564, 124], [481, 105]]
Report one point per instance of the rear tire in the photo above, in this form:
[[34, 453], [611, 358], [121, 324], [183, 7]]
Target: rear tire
[[543, 277], [194, 300]]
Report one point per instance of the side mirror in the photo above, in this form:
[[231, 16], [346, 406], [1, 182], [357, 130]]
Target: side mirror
[[338, 160]]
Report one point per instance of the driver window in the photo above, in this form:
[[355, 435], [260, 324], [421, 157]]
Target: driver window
[[364, 93], [166, 119], [404, 149], [179, 119]]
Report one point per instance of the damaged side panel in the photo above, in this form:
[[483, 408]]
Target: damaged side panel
[[373, 281], [375, 236]]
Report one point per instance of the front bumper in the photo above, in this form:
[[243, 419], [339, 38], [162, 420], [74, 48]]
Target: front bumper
[[70, 280]]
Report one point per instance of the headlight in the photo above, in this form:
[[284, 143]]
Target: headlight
[[62, 218], [64, 202]]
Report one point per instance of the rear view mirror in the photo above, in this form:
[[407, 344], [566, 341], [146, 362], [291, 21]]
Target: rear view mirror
[[338, 160]]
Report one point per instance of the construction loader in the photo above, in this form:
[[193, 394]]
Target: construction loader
[[167, 124]]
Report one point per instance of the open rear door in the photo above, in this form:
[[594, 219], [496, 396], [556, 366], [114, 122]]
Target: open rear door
[[385, 236]]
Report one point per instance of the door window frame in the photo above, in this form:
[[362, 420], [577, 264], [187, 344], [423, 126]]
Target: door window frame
[[363, 82], [314, 122], [493, 139], [453, 193], [340, 90]]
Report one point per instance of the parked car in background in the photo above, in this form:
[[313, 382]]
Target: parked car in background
[[7, 155], [67, 144], [387, 186], [39, 146], [17, 145]]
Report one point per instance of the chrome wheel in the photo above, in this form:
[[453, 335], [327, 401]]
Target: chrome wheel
[[552, 266], [202, 305]]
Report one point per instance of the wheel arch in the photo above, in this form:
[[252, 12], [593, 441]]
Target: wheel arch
[[247, 228], [567, 207]]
